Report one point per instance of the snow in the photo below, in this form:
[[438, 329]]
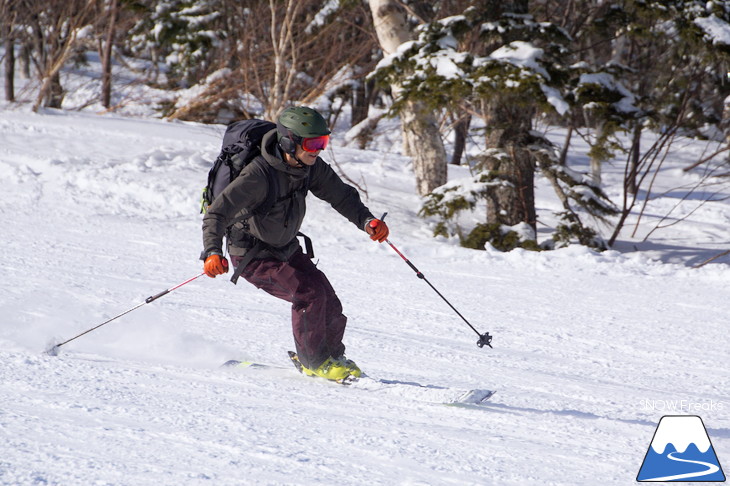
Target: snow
[[521, 54], [555, 98], [388, 59], [446, 64], [320, 19], [716, 29], [626, 104], [100, 211]]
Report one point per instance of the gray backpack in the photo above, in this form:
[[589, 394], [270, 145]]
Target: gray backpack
[[241, 144]]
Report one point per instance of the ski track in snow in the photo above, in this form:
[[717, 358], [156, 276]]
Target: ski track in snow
[[101, 212]]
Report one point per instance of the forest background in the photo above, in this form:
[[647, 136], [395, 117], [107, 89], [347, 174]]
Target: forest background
[[473, 84]]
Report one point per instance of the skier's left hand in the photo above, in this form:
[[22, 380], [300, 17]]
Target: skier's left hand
[[377, 230]]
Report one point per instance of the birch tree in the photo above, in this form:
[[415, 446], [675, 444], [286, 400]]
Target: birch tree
[[421, 137]]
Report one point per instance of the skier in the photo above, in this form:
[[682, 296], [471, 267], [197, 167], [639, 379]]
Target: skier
[[277, 263]]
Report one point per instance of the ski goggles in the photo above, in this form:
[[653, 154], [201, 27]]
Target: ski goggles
[[314, 144]]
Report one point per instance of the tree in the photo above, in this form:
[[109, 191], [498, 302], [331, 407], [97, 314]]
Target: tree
[[182, 34], [511, 68], [52, 29], [105, 51], [421, 136], [675, 53], [273, 53], [8, 15]]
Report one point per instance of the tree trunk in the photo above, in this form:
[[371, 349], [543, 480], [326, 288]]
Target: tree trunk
[[595, 160], [9, 65], [25, 60], [56, 92], [461, 131], [632, 185], [566, 145], [421, 136], [508, 119], [725, 125], [429, 154], [106, 57], [360, 102], [513, 201]]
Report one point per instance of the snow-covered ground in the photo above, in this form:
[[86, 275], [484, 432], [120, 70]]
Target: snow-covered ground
[[590, 350]]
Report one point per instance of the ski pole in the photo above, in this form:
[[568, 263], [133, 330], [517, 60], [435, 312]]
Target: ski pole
[[53, 350], [484, 339]]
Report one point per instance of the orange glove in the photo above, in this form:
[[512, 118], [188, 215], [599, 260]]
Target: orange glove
[[215, 265], [377, 230]]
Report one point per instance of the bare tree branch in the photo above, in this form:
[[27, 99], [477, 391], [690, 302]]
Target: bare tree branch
[[709, 260]]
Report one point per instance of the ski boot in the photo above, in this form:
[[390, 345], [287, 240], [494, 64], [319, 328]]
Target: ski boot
[[350, 365], [333, 369]]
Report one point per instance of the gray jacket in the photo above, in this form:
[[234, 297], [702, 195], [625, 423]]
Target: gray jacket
[[278, 227]]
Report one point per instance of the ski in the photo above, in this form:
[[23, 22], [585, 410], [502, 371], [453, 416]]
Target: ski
[[426, 393], [474, 398], [232, 363], [235, 363]]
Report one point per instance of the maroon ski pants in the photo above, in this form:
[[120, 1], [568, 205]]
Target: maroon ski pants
[[317, 320]]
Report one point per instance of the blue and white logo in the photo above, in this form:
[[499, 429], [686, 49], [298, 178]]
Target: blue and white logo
[[681, 451]]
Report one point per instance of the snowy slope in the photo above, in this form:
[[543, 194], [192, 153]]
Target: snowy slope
[[100, 212]]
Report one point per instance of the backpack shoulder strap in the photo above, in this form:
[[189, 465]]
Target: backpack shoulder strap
[[272, 183], [247, 258]]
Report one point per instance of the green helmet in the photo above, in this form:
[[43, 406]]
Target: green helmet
[[302, 122]]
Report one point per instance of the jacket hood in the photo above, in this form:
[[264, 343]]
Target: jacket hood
[[273, 156]]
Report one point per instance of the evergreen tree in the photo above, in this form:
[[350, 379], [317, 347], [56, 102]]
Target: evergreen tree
[[180, 34], [510, 70], [656, 65]]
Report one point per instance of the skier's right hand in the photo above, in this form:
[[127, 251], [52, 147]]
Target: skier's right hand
[[215, 265], [378, 230]]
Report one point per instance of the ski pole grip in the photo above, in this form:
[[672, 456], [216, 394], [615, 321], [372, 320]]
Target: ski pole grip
[[372, 222]]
